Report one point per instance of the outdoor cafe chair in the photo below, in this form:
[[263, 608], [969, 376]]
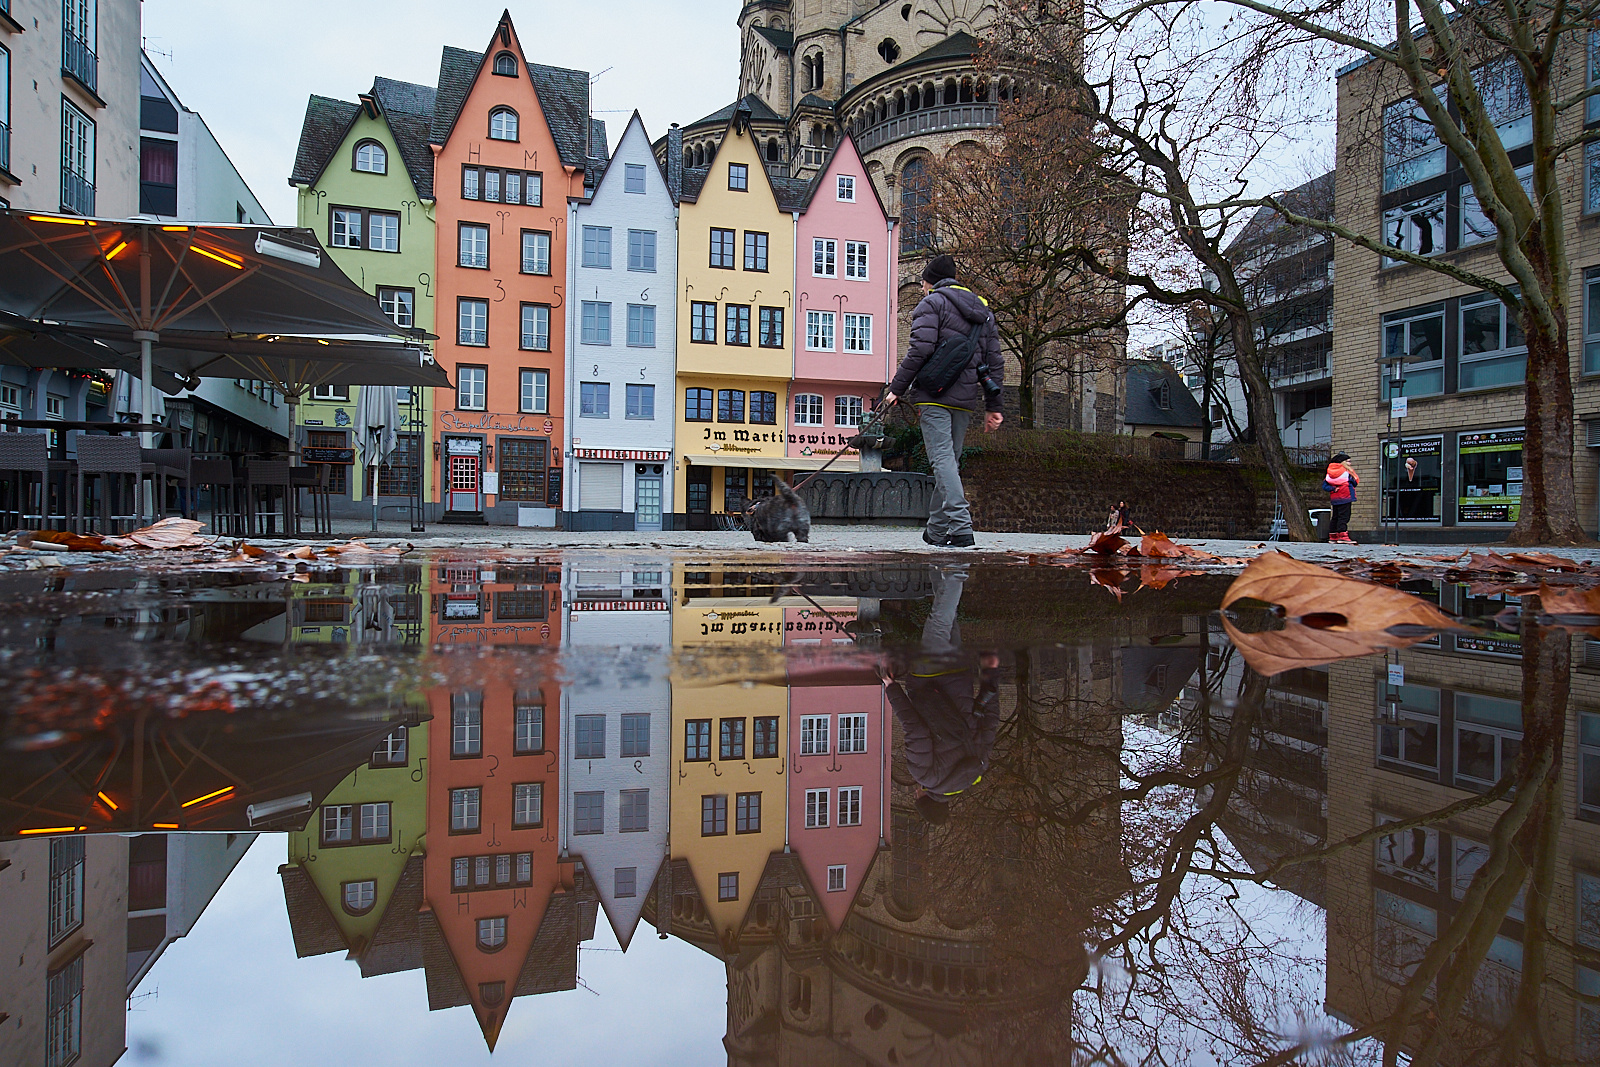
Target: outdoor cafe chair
[[314, 478], [266, 484], [164, 465], [25, 457], [226, 489], [113, 460]]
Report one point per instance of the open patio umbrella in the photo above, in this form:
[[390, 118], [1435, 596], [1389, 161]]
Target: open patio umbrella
[[376, 425], [37, 347], [207, 301]]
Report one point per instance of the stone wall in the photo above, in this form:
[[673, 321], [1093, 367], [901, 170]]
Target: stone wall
[[1071, 489]]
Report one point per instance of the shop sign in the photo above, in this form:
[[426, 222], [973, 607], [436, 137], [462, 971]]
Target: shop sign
[[1490, 475], [464, 446]]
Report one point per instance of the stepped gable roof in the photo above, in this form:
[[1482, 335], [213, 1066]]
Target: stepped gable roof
[[563, 96], [1145, 378], [326, 121], [759, 112], [395, 945], [408, 108], [446, 987], [310, 922], [782, 40], [1314, 199]]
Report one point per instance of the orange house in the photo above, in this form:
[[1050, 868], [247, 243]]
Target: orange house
[[512, 141]]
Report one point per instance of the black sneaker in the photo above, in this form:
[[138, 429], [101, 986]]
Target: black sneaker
[[960, 541], [939, 541]]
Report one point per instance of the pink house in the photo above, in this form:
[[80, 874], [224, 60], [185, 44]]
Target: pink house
[[838, 787], [845, 338]]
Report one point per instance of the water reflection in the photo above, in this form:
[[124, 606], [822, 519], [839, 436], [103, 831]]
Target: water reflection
[[920, 813]]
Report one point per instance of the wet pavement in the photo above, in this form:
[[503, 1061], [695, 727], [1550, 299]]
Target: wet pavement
[[650, 805]]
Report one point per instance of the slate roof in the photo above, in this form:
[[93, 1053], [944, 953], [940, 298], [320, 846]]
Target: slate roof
[[782, 40], [395, 945], [694, 179], [759, 112], [311, 924], [791, 193], [408, 108], [955, 46], [1144, 383], [321, 132], [563, 95], [552, 961], [1314, 199], [406, 97], [813, 100], [446, 987]]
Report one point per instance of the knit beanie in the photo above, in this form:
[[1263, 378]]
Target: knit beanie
[[938, 269]]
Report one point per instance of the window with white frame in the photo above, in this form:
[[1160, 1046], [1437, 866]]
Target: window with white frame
[[633, 178], [857, 332], [819, 331], [527, 804], [359, 897], [1417, 227], [535, 331], [597, 247], [383, 231], [472, 384], [642, 250], [491, 934], [1488, 738], [338, 824], [1493, 351], [814, 734], [642, 325], [807, 409], [596, 322], [374, 822], [399, 304], [472, 322], [1412, 150], [392, 750], [1410, 855], [824, 257], [528, 727], [1408, 733], [66, 887], [847, 189], [64, 1014], [1504, 92], [466, 725], [77, 160], [346, 232], [836, 879], [855, 260], [1476, 227], [852, 730], [371, 158], [473, 245], [1591, 106], [850, 806], [535, 252], [1417, 335], [816, 809], [465, 810], [503, 124]]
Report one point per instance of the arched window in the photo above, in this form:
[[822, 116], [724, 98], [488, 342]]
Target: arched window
[[371, 158], [899, 102], [502, 124], [699, 155], [774, 154], [916, 98], [505, 63], [966, 90], [491, 934], [688, 158], [950, 91], [916, 191], [816, 72], [805, 73], [360, 896]]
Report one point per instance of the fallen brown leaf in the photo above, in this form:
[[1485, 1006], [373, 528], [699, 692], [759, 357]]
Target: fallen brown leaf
[[1154, 576], [1544, 560], [1497, 586], [1158, 545], [1569, 600], [250, 551], [1304, 589], [1105, 544], [1441, 559], [165, 534], [1298, 645], [1109, 579], [1492, 562], [73, 542]]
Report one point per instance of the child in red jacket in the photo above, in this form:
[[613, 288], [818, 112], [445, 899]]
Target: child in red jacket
[[1340, 483]]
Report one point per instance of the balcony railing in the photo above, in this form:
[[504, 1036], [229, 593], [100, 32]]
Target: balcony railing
[[77, 193], [1299, 365], [5, 147], [930, 120], [78, 60]]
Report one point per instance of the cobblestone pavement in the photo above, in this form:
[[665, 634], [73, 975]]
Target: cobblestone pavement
[[834, 540]]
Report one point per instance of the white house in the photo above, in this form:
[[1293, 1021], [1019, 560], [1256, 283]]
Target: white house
[[622, 275], [616, 728]]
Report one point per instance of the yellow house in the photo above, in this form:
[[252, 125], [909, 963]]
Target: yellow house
[[736, 270]]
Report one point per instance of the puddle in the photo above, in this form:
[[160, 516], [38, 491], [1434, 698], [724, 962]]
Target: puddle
[[892, 811]]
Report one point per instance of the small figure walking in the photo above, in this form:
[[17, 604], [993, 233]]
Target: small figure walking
[[1117, 521], [1340, 482]]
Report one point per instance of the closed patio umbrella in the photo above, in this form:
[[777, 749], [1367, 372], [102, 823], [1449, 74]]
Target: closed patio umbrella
[[206, 301], [376, 424]]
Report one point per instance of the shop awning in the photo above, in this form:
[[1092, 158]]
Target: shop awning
[[845, 464]]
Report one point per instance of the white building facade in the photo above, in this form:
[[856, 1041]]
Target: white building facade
[[622, 349]]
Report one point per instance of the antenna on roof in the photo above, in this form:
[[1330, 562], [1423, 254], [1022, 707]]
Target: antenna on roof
[[596, 77]]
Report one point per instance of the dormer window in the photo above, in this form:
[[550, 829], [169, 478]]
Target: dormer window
[[502, 124], [505, 64], [371, 158]]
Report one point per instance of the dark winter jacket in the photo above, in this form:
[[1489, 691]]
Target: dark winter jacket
[[952, 311], [948, 731]]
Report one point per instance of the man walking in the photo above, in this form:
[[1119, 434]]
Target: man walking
[[949, 313]]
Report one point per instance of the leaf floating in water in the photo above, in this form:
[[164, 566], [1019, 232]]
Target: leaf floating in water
[[1307, 589], [1158, 545], [166, 534], [1298, 645], [1105, 544]]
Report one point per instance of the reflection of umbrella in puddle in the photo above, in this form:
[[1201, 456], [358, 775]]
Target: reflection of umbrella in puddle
[[212, 770]]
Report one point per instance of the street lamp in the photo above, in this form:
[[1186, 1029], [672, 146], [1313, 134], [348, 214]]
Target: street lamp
[[1395, 442]]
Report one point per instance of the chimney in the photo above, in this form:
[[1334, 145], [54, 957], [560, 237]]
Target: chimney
[[675, 162]]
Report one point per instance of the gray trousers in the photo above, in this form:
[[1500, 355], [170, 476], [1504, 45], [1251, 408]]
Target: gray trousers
[[943, 431]]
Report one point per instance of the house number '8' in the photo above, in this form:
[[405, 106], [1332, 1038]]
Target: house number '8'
[[597, 370]]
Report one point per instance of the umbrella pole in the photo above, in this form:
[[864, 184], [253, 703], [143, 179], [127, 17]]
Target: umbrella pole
[[146, 339], [374, 498]]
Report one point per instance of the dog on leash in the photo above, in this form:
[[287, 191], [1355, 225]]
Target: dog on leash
[[779, 517]]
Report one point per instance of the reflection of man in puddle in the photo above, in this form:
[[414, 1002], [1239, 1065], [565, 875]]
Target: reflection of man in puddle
[[949, 731]]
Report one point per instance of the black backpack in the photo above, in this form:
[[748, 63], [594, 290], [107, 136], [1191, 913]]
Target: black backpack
[[943, 368]]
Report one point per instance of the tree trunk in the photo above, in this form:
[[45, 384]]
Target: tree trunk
[[1205, 392], [1025, 400], [1549, 498], [1258, 395]]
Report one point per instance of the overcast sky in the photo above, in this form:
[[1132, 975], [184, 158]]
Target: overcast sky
[[248, 68]]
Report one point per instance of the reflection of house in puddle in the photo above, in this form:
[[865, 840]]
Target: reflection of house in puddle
[[86, 920], [1402, 751]]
